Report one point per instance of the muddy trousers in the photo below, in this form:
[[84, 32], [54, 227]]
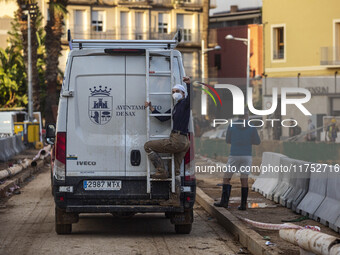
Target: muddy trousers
[[177, 144]]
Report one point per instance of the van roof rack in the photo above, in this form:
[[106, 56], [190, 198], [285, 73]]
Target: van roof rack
[[125, 44]]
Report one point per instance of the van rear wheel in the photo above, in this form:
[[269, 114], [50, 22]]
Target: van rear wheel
[[183, 229]]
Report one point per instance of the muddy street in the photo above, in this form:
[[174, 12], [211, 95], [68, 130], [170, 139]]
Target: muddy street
[[27, 227]]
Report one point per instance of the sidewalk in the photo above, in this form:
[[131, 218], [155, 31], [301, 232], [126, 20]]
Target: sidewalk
[[259, 208]]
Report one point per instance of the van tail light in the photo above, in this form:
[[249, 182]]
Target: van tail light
[[189, 156], [61, 147], [189, 160], [60, 156]]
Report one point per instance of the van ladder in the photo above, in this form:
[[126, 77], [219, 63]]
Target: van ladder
[[148, 54]]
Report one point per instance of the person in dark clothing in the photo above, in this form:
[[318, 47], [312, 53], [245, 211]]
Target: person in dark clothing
[[178, 143], [294, 130], [241, 137]]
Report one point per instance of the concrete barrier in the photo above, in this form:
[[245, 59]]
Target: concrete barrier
[[297, 184], [3, 153], [6, 150], [328, 212], [316, 194], [268, 180], [10, 146], [19, 143], [284, 178], [14, 145]]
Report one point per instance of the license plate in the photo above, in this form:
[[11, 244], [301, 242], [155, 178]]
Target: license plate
[[102, 185]]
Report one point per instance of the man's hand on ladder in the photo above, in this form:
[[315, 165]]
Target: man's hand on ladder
[[186, 79], [148, 104]]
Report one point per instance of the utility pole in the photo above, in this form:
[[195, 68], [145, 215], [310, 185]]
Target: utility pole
[[204, 57], [29, 10], [29, 69]]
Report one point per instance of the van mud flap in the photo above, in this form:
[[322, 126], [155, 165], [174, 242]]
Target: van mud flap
[[186, 217], [63, 217]]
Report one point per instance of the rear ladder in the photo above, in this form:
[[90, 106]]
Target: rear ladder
[[149, 54]]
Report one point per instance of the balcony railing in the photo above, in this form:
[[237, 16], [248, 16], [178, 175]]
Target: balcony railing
[[278, 54], [164, 2], [132, 34], [330, 55]]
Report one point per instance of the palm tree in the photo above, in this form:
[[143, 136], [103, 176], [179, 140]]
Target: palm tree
[[54, 32]]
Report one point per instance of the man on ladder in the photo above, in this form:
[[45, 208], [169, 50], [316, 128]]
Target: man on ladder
[[178, 142]]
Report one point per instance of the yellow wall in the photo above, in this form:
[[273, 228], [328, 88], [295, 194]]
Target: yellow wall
[[309, 26]]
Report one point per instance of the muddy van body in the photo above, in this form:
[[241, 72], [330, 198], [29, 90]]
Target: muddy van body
[[100, 165]]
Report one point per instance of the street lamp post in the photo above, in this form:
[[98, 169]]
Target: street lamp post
[[204, 95], [246, 41]]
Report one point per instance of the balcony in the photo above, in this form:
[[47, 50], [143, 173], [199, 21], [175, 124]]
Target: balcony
[[330, 56], [135, 2]]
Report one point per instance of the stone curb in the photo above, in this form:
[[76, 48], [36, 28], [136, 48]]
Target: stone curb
[[243, 233]]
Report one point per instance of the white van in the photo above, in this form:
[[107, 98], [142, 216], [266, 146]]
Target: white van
[[100, 164]]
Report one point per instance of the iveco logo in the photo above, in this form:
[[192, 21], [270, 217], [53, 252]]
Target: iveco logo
[[86, 163]]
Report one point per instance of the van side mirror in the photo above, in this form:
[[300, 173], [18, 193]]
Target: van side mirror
[[50, 133]]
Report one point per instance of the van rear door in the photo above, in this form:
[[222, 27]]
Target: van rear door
[[96, 116], [136, 134]]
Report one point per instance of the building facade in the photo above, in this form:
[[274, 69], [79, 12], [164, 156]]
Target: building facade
[[142, 20], [229, 65], [130, 20], [301, 49]]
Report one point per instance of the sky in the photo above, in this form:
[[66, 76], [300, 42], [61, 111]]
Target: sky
[[224, 5]]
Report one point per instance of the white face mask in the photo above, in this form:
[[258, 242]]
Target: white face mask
[[177, 96]]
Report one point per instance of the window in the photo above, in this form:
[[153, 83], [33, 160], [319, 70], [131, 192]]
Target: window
[[187, 34], [184, 22], [278, 43], [79, 16], [163, 21], [218, 61], [189, 62], [124, 25], [139, 25], [97, 21]]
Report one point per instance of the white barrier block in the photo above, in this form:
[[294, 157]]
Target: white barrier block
[[329, 210], [19, 143], [268, 180], [14, 145], [3, 151], [284, 179], [316, 194], [297, 184]]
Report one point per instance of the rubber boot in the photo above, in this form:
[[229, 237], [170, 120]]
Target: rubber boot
[[226, 190], [244, 197], [158, 163]]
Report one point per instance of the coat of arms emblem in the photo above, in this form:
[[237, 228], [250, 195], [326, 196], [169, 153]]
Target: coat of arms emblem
[[100, 105]]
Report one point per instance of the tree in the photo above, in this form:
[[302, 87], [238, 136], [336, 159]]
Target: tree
[[54, 32], [12, 78], [15, 55]]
